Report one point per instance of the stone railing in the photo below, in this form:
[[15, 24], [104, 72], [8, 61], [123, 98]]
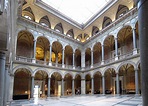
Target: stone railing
[[126, 55], [38, 25], [24, 59]]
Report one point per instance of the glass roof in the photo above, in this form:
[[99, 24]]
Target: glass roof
[[78, 10]]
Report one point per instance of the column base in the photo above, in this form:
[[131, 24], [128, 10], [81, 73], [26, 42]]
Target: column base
[[50, 64], [102, 62], [82, 68], [33, 60], [135, 51], [103, 94], [136, 95], [116, 58], [63, 66], [73, 67], [91, 66]]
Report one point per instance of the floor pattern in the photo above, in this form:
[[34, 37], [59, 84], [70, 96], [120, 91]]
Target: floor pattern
[[95, 100]]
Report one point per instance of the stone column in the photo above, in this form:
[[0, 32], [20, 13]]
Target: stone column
[[82, 60], [103, 85], [63, 58], [102, 54], [83, 86], [134, 42], [73, 60], [92, 58], [73, 86], [92, 86], [116, 48], [34, 51], [136, 82], [143, 37], [48, 95], [2, 74], [117, 83], [32, 86], [11, 87], [6, 90], [43, 88], [50, 55], [62, 87]]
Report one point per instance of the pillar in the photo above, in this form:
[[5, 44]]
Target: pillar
[[32, 86], [2, 78], [134, 42], [92, 86], [6, 90], [103, 85], [62, 87], [116, 48], [48, 95], [43, 88], [102, 54], [82, 60], [143, 37], [73, 86], [73, 60], [11, 87], [136, 82], [34, 51], [50, 55], [63, 58], [83, 86], [117, 83], [92, 58]]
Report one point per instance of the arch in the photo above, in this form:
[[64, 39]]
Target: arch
[[88, 73], [77, 74], [59, 28], [95, 30], [106, 22], [59, 72], [122, 9], [108, 67], [96, 72], [22, 66], [70, 73], [28, 13], [70, 33], [40, 69], [45, 21], [126, 62], [79, 37]]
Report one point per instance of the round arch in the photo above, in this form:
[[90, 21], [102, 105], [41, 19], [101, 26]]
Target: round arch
[[40, 69], [109, 67], [126, 62], [22, 66]]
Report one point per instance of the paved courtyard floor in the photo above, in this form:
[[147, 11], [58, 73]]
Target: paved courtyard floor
[[95, 100]]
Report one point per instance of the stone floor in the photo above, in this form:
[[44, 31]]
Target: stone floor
[[95, 100]]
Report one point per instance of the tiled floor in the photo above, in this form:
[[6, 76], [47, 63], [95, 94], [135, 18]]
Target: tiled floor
[[96, 100]]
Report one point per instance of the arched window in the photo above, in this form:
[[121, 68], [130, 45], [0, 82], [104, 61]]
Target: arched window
[[95, 30], [106, 22], [27, 13], [79, 37], [59, 28], [121, 11], [70, 33], [45, 21]]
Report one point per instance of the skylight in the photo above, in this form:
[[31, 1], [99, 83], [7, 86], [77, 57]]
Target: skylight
[[78, 10]]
